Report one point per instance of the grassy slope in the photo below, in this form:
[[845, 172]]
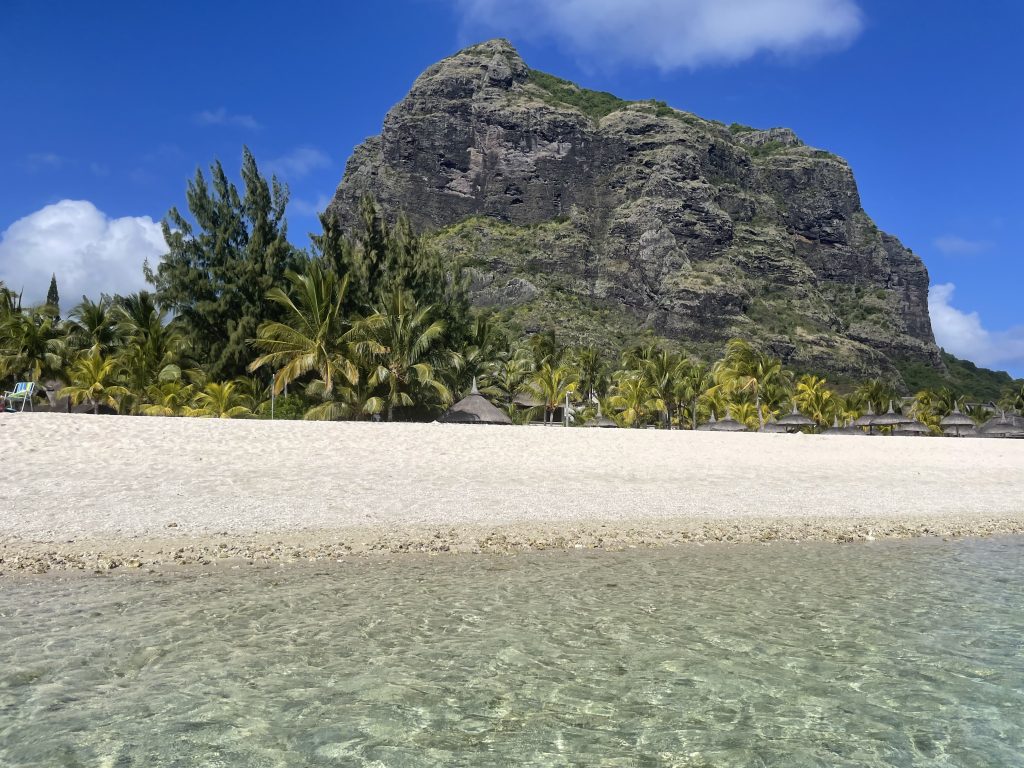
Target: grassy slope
[[964, 378]]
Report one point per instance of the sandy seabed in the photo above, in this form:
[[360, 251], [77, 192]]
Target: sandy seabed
[[96, 493]]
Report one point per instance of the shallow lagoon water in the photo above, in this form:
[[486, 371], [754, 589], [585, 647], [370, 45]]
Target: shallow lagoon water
[[899, 653]]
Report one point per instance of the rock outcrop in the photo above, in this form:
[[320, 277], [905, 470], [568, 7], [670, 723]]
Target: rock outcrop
[[610, 219]]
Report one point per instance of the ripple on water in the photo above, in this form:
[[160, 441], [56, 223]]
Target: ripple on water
[[891, 654]]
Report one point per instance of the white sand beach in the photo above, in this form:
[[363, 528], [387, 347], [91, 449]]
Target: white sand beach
[[77, 490]]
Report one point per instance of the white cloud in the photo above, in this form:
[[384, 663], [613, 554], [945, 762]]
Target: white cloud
[[89, 252], [962, 334], [300, 162], [671, 34], [954, 245], [221, 116]]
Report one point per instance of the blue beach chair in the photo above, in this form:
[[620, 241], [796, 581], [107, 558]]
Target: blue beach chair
[[22, 393]]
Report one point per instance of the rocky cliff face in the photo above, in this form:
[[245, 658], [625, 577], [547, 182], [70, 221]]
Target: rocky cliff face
[[609, 219]]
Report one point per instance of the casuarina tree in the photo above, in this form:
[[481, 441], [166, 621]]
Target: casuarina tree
[[222, 261], [53, 296]]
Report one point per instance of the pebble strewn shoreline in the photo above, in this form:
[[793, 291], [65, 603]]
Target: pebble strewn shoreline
[[24, 557]]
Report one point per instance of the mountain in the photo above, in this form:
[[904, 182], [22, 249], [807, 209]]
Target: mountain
[[612, 220]]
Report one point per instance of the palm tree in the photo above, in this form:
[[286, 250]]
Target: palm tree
[[483, 348], [591, 372], [552, 384], [929, 407], [980, 413], [167, 398], [507, 379], [635, 399], [94, 379], [546, 349], [152, 351], [744, 369], [360, 401], [696, 380], [401, 343], [815, 400], [876, 393], [746, 413], [663, 371], [93, 325], [10, 316], [221, 400], [633, 358], [9, 300], [716, 402], [32, 345], [313, 336], [1014, 400]]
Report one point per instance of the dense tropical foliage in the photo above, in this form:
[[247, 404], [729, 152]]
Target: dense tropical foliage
[[374, 323]]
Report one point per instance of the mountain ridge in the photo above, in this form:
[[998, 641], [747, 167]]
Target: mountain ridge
[[614, 220]]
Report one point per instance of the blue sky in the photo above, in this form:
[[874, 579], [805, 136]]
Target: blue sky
[[111, 106]]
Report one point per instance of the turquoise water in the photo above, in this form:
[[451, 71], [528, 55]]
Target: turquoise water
[[887, 654]]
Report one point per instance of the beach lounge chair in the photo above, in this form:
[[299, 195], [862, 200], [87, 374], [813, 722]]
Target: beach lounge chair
[[22, 393]]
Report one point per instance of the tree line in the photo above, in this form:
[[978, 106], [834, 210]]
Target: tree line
[[371, 322]]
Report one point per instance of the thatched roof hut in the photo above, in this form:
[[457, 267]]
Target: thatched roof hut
[[474, 408], [835, 429], [847, 429], [1002, 426], [956, 423], [527, 400], [850, 429], [867, 419], [728, 424], [709, 424], [890, 418], [795, 421], [911, 429]]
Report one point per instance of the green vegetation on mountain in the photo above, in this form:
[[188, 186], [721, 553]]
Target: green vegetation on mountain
[[594, 104], [961, 376]]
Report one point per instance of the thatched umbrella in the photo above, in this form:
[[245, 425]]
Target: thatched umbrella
[[849, 429], [1001, 426], [866, 419], [709, 424], [890, 418], [474, 408], [601, 420], [957, 422], [846, 429], [728, 424], [795, 420], [835, 429], [775, 427], [964, 431], [912, 428]]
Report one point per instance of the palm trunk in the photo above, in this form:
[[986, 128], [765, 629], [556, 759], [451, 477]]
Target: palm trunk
[[757, 404], [693, 415], [391, 411]]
